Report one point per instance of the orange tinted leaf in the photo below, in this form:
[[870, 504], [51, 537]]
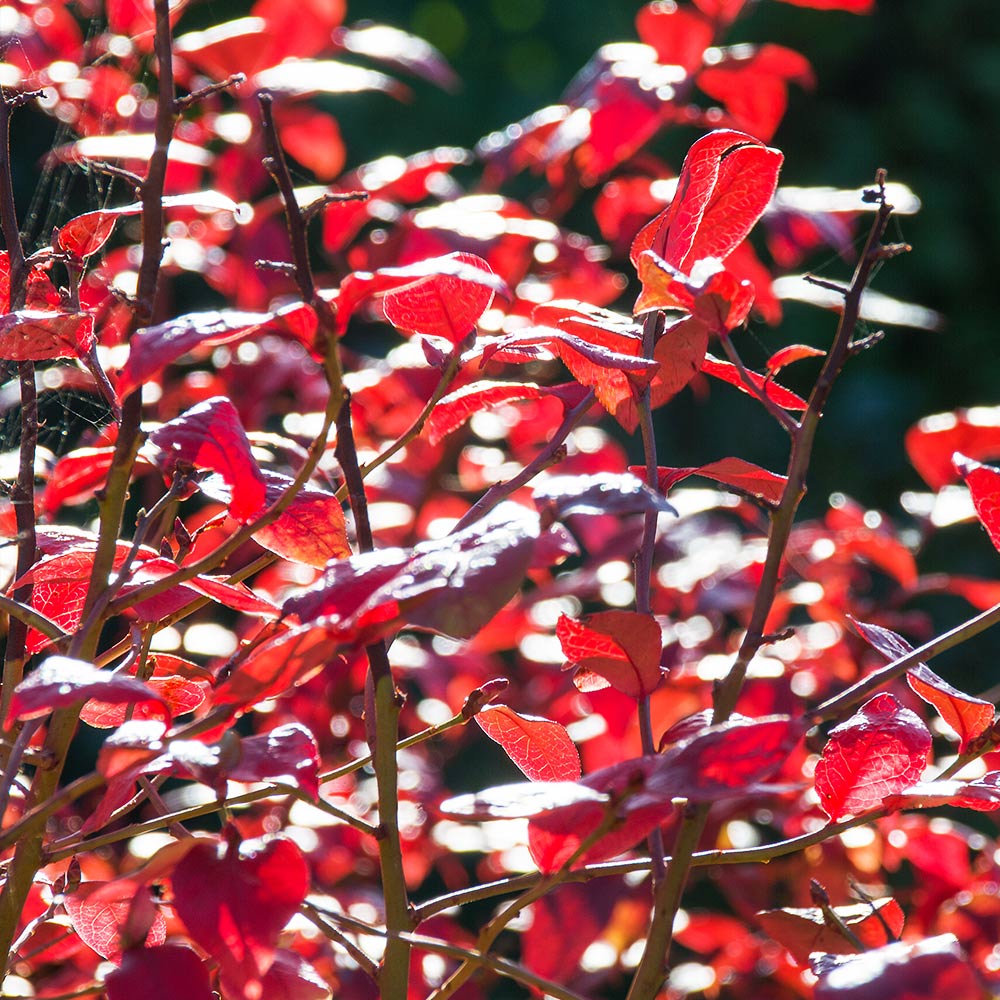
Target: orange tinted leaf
[[745, 477], [542, 749], [791, 354]]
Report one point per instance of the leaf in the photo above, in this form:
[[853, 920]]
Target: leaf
[[457, 407], [287, 754], [399, 49], [75, 477], [441, 305], [744, 477], [601, 493], [925, 969], [40, 335], [752, 84], [932, 441], [311, 530], [680, 35], [153, 348], [291, 977], [211, 436], [805, 930], [99, 912], [61, 681], [789, 355], [467, 275], [277, 665], [726, 759], [617, 376], [235, 900], [165, 972], [180, 694], [453, 585], [969, 717], [984, 487], [308, 77], [520, 801], [983, 794], [882, 749], [623, 647], [542, 749], [725, 184], [726, 372]]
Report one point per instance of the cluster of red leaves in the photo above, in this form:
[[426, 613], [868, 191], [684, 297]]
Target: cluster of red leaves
[[506, 330]]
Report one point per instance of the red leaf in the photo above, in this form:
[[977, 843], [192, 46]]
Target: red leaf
[[453, 585], [277, 665], [60, 681], [457, 407], [983, 794], [623, 647], [75, 477], [803, 931], [752, 84], [931, 443], [287, 754], [153, 348], [87, 233], [968, 716], [39, 335], [542, 749], [724, 186], [441, 296], [179, 694], [311, 530], [680, 35], [680, 354], [789, 355], [744, 477], [100, 911], [880, 750], [235, 901], [165, 972], [210, 436], [291, 977], [928, 969], [726, 372], [984, 487]]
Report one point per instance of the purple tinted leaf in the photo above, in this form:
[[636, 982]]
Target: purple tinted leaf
[[61, 681], [522, 800], [287, 754], [602, 493]]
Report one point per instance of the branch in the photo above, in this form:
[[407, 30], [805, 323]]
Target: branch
[[384, 730], [651, 972]]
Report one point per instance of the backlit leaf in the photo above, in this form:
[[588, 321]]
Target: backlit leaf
[[61, 681], [542, 749], [744, 477], [153, 348], [925, 969], [932, 441], [287, 754], [602, 493], [39, 335], [983, 794], [165, 972], [882, 749], [984, 487], [805, 930], [726, 372], [100, 912], [211, 436], [623, 647], [235, 901], [969, 717]]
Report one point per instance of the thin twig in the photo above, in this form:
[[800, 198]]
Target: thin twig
[[553, 452]]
